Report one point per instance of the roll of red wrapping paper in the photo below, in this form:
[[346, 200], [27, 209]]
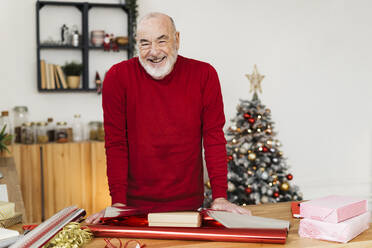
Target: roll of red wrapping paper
[[273, 236]]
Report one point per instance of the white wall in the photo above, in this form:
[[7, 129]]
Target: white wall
[[316, 56]]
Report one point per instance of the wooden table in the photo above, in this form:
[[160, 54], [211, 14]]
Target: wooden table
[[277, 210]]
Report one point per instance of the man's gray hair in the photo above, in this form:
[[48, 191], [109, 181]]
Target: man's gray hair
[[157, 14]]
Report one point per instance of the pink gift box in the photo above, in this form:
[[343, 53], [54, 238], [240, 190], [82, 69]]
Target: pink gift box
[[339, 232], [333, 209]]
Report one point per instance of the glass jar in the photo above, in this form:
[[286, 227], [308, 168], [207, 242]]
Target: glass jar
[[20, 117], [51, 130], [41, 133], [77, 128], [34, 127], [93, 130], [61, 132], [100, 132], [70, 135], [27, 133]]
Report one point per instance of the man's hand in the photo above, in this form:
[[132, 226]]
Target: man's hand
[[225, 205], [94, 218]]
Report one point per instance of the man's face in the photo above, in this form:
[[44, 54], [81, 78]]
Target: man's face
[[158, 46]]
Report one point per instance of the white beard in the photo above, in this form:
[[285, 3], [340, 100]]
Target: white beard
[[160, 73]]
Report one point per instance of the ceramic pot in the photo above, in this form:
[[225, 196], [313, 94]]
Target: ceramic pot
[[73, 82]]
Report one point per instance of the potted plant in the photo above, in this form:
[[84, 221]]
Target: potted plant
[[73, 71], [5, 140]]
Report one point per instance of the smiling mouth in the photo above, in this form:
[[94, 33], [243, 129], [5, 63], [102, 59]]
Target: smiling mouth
[[156, 60]]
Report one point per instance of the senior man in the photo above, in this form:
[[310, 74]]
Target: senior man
[[159, 109]]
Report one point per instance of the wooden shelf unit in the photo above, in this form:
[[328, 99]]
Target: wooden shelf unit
[[85, 47]]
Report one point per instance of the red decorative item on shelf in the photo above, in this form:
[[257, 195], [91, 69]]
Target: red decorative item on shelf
[[114, 45], [276, 194], [265, 149], [251, 120], [229, 158], [247, 115], [289, 176], [106, 43]]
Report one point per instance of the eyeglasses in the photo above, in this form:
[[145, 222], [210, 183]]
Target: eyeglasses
[[146, 45], [129, 244]]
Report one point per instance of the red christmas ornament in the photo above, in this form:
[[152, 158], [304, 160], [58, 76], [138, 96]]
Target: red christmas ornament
[[248, 190], [229, 158], [276, 194], [251, 120], [289, 176], [247, 115], [265, 149]]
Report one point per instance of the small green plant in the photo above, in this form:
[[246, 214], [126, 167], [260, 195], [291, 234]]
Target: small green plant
[[72, 69], [5, 139]]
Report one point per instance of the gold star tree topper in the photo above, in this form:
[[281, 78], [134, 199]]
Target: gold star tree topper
[[255, 79]]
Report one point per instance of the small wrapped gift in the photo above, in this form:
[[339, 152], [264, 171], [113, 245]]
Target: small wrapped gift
[[333, 209], [176, 219], [15, 219], [6, 210], [339, 232]]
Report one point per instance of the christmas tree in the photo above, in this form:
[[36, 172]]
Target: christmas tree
[[257, 170]]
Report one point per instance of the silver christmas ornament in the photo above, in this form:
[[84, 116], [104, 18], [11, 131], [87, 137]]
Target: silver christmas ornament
[[264, 175], [269, 192], [245, 145], [230, 186], [263, 190], [243, 150], [264, 199]]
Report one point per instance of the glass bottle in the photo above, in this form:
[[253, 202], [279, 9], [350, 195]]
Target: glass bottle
[[20, 117], [41, 133], [93, 129], [27, 133], [70, 135], [77, 128], [51, 130], [61, 132], [5, 121], [100, 132], [34, 127]]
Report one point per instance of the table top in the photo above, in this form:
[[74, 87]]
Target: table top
[[274, 210]]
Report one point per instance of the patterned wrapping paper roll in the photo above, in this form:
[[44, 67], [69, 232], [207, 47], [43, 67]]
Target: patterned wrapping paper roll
[[273, 236]]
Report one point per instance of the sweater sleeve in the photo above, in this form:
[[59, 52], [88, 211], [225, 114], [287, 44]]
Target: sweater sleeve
[[214, 141], [114, 115]]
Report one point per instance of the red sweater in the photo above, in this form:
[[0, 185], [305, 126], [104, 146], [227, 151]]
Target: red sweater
[[154, 131]]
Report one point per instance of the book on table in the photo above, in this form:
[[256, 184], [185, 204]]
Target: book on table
[[176, 219]]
